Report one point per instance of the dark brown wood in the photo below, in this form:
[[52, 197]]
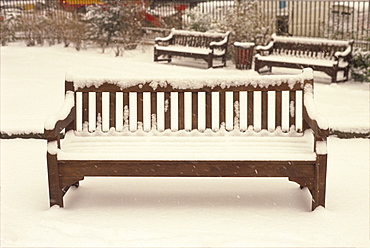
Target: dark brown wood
[[99, 104], [153, 107], [222, 107], [140, 107], [167, 110], [209, 110], [188, 168], [126, 109], [292, 108], [278, 108], [194, 110], [264, 109], [250, 108], [85, 107], [181, 111], [112, 109]]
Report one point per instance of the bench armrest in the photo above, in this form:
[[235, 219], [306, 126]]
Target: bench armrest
[[163, 39], [221, 43], [344, 54], [56, 123], [316, 121], [268, 47]]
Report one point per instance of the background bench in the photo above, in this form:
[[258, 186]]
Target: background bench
[[329, 56], [264, 126], [198, 45]]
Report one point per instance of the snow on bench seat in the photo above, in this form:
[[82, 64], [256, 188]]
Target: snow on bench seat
[[184, 145], [190, 50], [301, 60]]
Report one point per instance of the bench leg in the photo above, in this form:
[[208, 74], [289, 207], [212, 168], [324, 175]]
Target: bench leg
[[334, 75], [319, 187], [55, 189]]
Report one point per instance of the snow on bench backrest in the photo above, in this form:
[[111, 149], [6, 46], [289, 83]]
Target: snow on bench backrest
[[196, 39], [308, 47], [234, 103]]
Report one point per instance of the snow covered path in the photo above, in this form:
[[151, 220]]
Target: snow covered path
[[184, 212], [32, 83]]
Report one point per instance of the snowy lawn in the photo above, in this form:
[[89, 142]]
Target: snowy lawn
[[172, 212]]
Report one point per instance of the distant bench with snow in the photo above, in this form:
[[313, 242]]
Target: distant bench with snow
[[264, 126], [329, 56], [198, 45]]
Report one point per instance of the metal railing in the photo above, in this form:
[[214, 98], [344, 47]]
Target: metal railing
[[341, 20]]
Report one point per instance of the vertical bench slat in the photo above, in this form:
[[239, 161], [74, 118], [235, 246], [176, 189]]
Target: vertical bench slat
[[264, 109], [167, 110], [85, 107], [181, 111], [250, 109], [236, 107], [292, 108], [140, 107], [222, 107], [278, 106], [208, 110], [194, 110], [153, 108], [126, 115], [112, 109]]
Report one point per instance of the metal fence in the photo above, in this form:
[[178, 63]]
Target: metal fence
[[342, 20]]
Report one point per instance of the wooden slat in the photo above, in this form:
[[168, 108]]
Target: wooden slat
[[189, 168], [264, 109], [112, 109], [209, 110], [126, 102], [146, 87], [99, 105], [236, 99], [139, 107], [250, 109], [222, 103], [85, 107], [292, 104], [181, 111], [167, 113], [278, 108], [153, 106], [194, 110]]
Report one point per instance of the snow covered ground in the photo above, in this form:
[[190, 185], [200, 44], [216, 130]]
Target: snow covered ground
[[170, 212]]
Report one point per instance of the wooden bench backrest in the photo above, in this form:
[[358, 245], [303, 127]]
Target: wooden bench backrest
[[240, 107], [195, 39], [308, 47]]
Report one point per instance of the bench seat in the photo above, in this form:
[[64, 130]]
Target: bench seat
[[302, 60], [190, 50], [184, 145]]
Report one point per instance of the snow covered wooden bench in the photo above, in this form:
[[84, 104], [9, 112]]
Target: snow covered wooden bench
[[329, 56], [198, 45], [264, 126]]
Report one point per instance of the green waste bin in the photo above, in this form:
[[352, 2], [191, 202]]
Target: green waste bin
[[244, 55]]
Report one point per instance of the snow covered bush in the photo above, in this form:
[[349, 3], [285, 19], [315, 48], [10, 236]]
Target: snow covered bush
[[199, 21], [119, 22], [360, 67], [8, 25], [245, 20]]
